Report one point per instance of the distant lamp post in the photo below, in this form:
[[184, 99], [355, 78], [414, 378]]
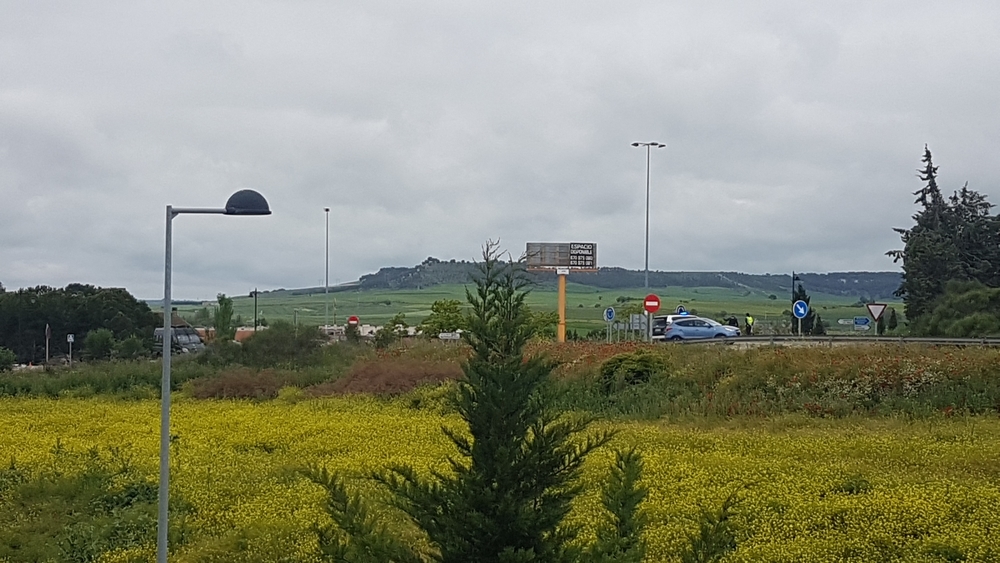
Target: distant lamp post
[[254, 295], [243, 202], [326, 285], [652, 144]]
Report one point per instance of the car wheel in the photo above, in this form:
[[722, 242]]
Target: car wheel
[[720, 335], [675, 338]]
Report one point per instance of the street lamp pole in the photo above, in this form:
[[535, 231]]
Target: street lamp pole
[[326, 285], [254, 295], [243, 202], [652, 144]]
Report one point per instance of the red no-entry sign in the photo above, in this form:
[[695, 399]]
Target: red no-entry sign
[[352, 320], [651, 304]]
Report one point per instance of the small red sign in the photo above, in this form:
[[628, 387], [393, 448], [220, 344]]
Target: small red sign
[[353, 320], [651, 303]]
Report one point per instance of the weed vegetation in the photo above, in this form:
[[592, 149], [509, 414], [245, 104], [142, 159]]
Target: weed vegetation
[[807, 489], [855, 453], [86, 505], [719, 381]]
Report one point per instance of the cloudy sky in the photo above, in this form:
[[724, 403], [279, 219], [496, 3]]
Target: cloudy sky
[[793, 132]]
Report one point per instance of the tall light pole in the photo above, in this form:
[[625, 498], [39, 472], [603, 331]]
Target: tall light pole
[[243, 202], [254, 295], [651, 144], [326, 285]]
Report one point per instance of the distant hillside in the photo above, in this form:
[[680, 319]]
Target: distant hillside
[[431, 272]]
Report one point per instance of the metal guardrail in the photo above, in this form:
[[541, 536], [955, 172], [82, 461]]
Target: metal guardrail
[[780, 339]]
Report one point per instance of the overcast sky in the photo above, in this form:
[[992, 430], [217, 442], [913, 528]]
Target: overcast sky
[[794, 130]]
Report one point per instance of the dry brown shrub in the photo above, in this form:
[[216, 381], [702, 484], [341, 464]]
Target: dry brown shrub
[[240, 383], [390, 375]]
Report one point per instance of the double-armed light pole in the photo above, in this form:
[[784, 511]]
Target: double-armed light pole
[[649, 145], [243, 202]]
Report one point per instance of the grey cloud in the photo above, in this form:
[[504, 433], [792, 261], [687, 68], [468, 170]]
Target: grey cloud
[[794, 132]]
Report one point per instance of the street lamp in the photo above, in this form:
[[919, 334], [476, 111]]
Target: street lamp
[[326, 286], [651, 144], [254, 295], [243, 202]]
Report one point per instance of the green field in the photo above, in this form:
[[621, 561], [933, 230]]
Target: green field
[[584, 307]]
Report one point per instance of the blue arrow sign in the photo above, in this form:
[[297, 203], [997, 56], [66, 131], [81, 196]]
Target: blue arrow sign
[[862, 321], [800, 309], [609, 314]]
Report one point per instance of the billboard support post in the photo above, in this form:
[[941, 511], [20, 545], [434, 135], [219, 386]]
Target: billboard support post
[[561, 333]]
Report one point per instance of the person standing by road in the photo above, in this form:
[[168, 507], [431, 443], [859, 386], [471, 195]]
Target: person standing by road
[[748, 325]]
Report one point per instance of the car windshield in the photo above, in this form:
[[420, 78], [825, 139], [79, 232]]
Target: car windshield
[[713, 323]]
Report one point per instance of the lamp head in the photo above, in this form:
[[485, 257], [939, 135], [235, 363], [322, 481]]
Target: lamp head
[[247, 202]]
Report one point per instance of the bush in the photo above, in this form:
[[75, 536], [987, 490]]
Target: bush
[[132, 348], [282, 345], [221, 353], [391, 375], [630, 368], [7, 359], [245, 383], [384, 337], [121, 379], [964, 310], [99, 344]]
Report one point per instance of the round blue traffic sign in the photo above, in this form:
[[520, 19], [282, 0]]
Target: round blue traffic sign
[[800, 309], [609, 314]]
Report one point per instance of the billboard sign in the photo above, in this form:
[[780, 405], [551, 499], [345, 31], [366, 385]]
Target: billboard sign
[[553, 255]]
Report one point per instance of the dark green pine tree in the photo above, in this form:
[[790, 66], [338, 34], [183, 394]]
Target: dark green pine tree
[[506, 495], [930, 255], [809, 321]]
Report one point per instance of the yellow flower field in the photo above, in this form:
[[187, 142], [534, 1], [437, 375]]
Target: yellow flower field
[[810, 490]]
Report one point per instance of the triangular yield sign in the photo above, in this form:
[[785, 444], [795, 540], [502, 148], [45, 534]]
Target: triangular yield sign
[[876, 310]]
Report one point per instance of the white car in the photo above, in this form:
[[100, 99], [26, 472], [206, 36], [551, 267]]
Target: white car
[[696, 328]]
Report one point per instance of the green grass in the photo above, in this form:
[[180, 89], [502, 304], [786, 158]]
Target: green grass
[[584, 304]]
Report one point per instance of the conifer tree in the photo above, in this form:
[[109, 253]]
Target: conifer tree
[[893, 319], [951, 239], [809, 321], [507, 493]]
